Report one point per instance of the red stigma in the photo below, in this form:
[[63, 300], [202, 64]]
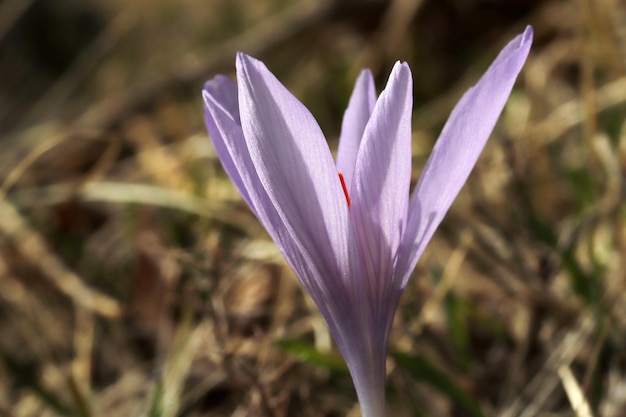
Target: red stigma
[[345, 189]]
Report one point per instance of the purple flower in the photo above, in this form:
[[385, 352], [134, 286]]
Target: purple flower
[[349, 229]]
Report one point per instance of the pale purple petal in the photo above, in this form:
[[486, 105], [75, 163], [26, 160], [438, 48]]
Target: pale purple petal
[[380, 187], [355, 118], [320, 277], [296, 170], [221, 115], [379, 194], [457, 149], [223, 123], [224, 126]]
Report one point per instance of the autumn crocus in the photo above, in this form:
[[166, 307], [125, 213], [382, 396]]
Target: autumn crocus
[[348, 228]]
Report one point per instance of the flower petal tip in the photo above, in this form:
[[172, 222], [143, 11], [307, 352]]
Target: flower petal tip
[[243, 56], [524, 40], [365, 76], [401, 73], [244, 63], [402, 66], [527, 36]]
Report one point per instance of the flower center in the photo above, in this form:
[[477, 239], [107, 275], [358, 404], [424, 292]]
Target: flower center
[[345, 189]]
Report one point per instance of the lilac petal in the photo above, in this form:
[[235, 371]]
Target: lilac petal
[[457, 149], [380, 187], [321, 277], [224, 126], [357, 114], [296, 169], [221, 116], [379, 194]]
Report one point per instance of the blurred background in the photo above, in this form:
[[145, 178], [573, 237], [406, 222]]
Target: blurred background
[[134, 281]]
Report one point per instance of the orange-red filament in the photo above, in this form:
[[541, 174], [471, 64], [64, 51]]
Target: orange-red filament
[[345, 189]]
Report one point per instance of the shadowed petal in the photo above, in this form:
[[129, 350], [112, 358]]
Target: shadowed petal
[[357, 114], [221, 116], [457, 149]]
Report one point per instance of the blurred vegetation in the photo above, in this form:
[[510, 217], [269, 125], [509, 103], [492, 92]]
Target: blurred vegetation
[[135, 282]]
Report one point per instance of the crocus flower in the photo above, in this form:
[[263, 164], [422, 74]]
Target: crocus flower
[[348, 228]]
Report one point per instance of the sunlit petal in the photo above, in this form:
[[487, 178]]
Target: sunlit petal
[[457, 149]]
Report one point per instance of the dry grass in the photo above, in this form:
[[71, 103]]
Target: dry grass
[[135, 282]]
